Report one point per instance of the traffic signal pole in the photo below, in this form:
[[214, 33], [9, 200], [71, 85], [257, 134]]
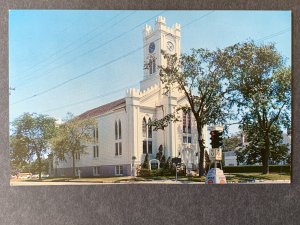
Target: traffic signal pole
[[216, 175]]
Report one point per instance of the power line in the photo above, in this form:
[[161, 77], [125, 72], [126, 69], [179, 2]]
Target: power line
[[110, 62], [54, 53], [72, 43], [98, 67], [274, 35], [197, 19], [99, 46], [92, 98]]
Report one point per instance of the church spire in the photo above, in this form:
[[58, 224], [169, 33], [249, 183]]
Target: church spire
[[155, 40]]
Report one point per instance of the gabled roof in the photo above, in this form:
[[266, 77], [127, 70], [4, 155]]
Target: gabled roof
[[102, 109]]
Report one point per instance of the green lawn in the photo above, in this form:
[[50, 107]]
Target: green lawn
[[232, 177], [244, 177]]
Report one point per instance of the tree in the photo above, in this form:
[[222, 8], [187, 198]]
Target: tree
[[207, 161], [145, 164], [30, 139], [230, 143], [261, 86], [161, 157], [252, 152], [197, 77], [72, 138]]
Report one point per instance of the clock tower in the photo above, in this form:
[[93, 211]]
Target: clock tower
[[155, 40]]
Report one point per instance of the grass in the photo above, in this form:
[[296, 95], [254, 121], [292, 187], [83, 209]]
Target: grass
[[244, 177], [232, 177]]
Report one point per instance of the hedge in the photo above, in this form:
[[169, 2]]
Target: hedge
[[159, 172], [257, 169]]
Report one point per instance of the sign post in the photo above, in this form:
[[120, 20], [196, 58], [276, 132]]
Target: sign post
[[176, 161], [216, 175]]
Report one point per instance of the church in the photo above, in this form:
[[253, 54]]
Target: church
[[123, 137]]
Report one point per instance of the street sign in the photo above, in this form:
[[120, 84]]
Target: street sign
[[215, 154], [218, 154], [176, 160]]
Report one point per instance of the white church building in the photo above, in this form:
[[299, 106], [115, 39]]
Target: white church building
[[122, 137]]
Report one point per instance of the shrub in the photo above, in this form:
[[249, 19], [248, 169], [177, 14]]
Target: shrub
[[256, 169], [144, 172]]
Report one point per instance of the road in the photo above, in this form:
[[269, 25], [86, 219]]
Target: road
[[45, 183]]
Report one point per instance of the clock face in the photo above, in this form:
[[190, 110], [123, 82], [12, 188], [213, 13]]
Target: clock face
[[170, 46], [151, 47]]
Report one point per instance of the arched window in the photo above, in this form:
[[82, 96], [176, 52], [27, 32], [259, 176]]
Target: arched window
[[147, 137], [186, 127], [144, 129], [152, 66], [116, 130], [189, 121], [120, 130], [183, 122], [149, 129]]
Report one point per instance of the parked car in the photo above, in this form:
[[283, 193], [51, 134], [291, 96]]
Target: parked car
[[25, 175]]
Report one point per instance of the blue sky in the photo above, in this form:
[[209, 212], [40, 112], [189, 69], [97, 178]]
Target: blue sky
[[71, 61]]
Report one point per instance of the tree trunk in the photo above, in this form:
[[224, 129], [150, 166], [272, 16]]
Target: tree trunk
[[201, 161], [39, 166], [73, 159], [201, 155], [265, 157]]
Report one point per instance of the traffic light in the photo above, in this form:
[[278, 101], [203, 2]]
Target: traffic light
[[213, 138], [219, 139], [216, 139]]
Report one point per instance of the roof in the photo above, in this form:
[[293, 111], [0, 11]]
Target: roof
[[102, 109]]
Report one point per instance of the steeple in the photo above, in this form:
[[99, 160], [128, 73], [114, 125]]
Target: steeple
[[155, 40]]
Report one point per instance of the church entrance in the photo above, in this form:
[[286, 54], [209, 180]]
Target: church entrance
[[154, 164], [189, 159]]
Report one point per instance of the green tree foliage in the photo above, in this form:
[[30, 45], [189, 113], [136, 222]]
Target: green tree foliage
[[230, 143], [198, 78], [72, 137], [253, 151], [261, 85], [161, 157], [30, 140], [145, 164]]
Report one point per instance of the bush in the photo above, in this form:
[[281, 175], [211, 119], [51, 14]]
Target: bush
[[159, 172], [144, 172], [256, 169]]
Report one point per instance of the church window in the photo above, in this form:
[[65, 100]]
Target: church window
[[149, 129], [119, 170], [186, 122], [147, 136], [116, 130], [77, 155], [117, 149], [120, 148], [96, 134], [152, 66], [120, 130], [144, 147], [149, 147], [144, 127], [186, 127], [118, 136], [96, 151]]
